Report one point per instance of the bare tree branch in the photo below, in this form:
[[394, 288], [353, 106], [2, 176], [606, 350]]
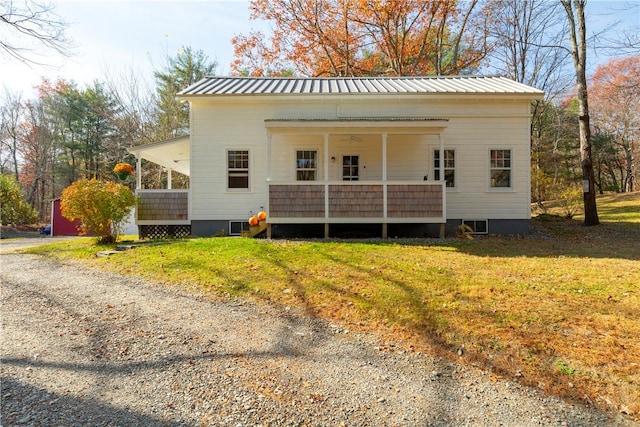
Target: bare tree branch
[[29, 26]]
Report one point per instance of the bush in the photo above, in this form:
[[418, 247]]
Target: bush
[[571, 199], [14, 209], [100, 206]]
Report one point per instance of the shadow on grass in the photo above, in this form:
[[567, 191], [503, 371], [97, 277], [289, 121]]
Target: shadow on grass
[[549, 237], [66, 409], [525, 358], [564, 238]]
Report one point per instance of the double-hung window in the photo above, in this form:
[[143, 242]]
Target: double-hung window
[[445, 167], [238, 169], [500, 168], [306, 165]]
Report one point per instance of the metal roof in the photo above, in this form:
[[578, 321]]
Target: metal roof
[[234, 86]]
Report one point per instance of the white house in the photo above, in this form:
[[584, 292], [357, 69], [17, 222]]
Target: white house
[[406, 156]]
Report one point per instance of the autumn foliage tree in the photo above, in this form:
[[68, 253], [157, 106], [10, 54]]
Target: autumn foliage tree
[[364, 38], [13, 208], [615, 106], [100, 206]]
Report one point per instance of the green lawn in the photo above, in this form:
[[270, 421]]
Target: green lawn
[[559, 309]]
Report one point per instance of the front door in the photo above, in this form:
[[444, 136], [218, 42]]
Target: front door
[[350, 168]]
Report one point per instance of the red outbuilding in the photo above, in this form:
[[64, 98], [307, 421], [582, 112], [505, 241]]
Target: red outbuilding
[[61, 226]]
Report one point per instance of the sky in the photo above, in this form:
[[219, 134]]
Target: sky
[[116, 36], [112, 37]]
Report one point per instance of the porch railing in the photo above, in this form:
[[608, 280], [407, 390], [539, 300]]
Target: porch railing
[[359, 201]]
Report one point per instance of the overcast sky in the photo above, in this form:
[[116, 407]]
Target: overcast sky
[[113, 36]]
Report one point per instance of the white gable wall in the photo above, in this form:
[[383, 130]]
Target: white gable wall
[[474, 127]]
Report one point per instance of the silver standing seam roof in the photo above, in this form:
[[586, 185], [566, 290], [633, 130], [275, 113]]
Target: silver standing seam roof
[[458, 85]]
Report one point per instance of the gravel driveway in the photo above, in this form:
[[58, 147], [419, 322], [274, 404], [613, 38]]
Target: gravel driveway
[[81, 347]]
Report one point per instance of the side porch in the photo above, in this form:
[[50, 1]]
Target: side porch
[[163, 212]]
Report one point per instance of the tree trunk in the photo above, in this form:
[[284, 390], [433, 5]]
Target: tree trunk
[[628, 152], [577, 28]]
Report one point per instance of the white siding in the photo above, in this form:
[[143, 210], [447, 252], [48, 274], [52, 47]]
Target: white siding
[[214, 130], [473, 198], [474, 127]]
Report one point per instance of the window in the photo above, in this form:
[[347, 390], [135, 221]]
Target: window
[[477, 226], [238, 169], [500, 168], [350, 168], [306, 165], [449, 167], [237, 227]]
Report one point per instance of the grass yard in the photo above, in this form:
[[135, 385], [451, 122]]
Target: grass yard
[[559, 310]]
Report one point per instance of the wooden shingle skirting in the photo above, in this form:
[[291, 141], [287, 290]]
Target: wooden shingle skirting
[[296, 201], [356, 200], [163, 205], [408, 201]]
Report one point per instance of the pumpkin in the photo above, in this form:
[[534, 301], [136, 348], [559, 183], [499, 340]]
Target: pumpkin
[[262, 215], [253, 221]]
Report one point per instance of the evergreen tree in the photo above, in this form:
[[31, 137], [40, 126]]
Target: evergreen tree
[[181, 71]]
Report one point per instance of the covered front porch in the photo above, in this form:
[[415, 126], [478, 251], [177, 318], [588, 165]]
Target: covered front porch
[[162, 212], [355, 171]]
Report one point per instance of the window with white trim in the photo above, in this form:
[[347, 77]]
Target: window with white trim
[[448, 166], [500, 168], [350, 168], [306, 165], [237, 169]]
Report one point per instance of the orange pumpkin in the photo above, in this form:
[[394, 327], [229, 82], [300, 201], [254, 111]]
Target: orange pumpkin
[[262, 215], [253, 221]]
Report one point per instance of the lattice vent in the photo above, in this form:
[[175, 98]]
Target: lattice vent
[[164, 231]]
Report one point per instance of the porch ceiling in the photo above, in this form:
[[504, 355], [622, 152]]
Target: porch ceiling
[[172, 154]]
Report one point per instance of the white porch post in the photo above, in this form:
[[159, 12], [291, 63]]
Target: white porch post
[[441, 148], [169, 178], [384, 185], [138, 171], [443, 225], [384, 173], [269, 137], [326, 157], [326, 184], [384, 156]]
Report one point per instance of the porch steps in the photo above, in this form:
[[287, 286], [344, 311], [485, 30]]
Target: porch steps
[[255, 230]]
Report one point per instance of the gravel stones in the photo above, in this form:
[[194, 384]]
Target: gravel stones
[[81, 347]]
